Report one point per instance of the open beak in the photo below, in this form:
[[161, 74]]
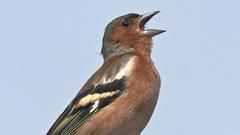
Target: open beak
[[143, 19]]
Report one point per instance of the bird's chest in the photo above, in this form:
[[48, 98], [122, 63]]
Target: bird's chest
[[129, 113], [137, 103]]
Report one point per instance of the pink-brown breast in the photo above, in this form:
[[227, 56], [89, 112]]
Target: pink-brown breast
[[129, 113]]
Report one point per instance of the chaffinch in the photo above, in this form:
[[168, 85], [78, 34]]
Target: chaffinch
[[120, 97]]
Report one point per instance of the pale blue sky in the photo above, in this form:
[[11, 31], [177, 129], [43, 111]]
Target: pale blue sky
[[48, 49]]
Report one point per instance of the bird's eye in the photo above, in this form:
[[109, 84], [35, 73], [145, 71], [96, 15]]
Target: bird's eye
[[125, 23]]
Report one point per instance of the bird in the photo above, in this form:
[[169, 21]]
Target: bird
[[120, 97]]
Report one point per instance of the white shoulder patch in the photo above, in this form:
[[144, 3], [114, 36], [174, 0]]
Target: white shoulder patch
[[126, 70]]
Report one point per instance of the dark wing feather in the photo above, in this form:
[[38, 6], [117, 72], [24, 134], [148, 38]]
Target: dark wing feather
[[74, 116], [77, 120]]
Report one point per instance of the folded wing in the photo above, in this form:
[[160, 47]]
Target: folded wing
[[86, 104]]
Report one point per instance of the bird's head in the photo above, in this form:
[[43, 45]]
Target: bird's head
[[127, 33]]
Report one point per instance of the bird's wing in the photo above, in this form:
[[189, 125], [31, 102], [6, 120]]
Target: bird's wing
[[86, 104]]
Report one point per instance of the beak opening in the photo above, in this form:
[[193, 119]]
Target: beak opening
[[144, 19]]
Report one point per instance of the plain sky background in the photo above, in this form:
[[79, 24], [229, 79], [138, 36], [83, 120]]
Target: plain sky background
[[48, 49]]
